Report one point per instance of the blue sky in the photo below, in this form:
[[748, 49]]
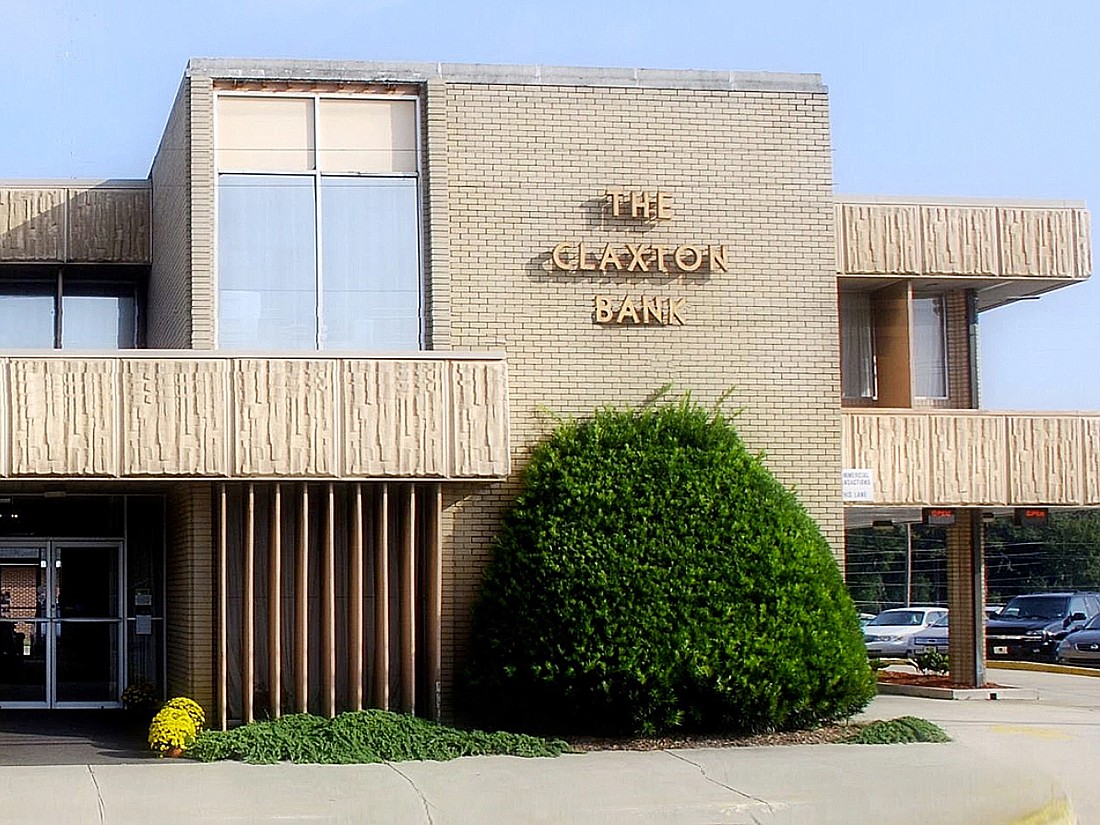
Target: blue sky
[[974, 98]]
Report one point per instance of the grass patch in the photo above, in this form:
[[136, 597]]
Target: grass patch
[[360, 737], [899, 731]]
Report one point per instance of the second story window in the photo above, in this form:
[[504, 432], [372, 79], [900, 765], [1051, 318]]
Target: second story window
[[318, 223], [857, 349], [68, 310], [929, 347]]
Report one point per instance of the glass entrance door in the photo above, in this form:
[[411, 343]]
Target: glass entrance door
[[24, 628], [60, 624]]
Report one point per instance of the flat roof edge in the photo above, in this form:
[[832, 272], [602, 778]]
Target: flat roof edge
[[494, 74], [933, 200], [75, 183]]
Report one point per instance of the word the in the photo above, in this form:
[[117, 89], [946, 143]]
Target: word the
[[648, 309], [641, 205]]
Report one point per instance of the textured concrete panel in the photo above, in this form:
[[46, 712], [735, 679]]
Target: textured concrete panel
[[1038, 242], [480, 409], [1082, 232], [32, 224], [895, 446], [981, 239], [175, 420], [64, 423], [977, 459], [284, 416], [109, 225], [959, 240], [879, 238], [394, 415], [1045, 459], [1090, 460], [968, 459]]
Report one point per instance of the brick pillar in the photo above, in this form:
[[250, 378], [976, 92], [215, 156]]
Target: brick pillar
[[966, 600]]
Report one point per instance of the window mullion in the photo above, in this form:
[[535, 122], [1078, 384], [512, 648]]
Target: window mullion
[[58, 303], [317, 226]]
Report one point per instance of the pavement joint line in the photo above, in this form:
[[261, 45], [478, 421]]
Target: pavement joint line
[[423, 799], [714, 781], [98, 795]]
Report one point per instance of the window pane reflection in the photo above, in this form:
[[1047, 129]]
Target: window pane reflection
[[27, 316], [98, 322], [371, 253], [266, 262]]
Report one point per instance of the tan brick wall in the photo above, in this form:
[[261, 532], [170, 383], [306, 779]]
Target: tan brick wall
[[169, 300], [190, 594], [526, 166], [203, 224]]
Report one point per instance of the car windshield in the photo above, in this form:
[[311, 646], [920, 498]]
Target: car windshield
[[1093, 623], [914, 618], [1035, 607]]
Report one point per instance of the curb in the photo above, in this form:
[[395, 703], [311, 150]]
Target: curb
[[981, 694], [1043, 667]]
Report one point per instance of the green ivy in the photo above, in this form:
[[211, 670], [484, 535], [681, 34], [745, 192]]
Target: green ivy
[[359, 737], [903, 730], [653, 575]]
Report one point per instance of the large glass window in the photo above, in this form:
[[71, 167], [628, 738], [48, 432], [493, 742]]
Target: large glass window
[[318, 224], [267, 262], [68, 312], [930, 347]]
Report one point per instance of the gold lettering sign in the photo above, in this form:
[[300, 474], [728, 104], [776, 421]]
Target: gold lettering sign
[[642, 206], [646, 310], [577, 256]]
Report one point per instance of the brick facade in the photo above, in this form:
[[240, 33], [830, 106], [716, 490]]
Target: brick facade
[[526, 169]]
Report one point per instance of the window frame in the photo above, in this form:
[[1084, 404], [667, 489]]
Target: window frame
[[55, 278], [871, 364], [940, 298], [317, 175]]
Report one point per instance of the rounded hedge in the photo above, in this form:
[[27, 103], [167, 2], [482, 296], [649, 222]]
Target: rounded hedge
[[653, 575]]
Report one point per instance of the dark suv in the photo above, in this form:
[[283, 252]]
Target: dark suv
[[1030, 626]]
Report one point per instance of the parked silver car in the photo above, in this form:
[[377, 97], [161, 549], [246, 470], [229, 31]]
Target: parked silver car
[[887, 635], [933, 637], [1081, 647]]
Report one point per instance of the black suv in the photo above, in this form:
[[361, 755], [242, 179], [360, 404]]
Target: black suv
[[1030, 626]]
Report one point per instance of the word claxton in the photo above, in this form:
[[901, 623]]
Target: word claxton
[[638, 257]]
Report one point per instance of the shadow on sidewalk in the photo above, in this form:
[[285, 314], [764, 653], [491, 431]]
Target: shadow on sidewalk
[[72, 737]]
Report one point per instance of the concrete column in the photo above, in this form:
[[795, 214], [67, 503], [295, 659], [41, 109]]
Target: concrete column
[[966, 600]]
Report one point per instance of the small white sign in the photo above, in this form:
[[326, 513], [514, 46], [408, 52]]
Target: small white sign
[[857, 485]]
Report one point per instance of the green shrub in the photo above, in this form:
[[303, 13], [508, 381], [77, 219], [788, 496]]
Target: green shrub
[[900, 731], [931, 661], [653, 575], [358, 737]]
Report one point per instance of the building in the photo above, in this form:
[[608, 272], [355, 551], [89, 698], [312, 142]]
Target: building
[[262, 411]]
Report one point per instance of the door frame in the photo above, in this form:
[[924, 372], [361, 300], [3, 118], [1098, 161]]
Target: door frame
[[53, 622]]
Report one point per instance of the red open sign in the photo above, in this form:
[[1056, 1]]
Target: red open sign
[[939, 516]]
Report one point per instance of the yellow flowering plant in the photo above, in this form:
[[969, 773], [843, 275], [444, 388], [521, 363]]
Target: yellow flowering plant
[[172, 729], [176, 725], [191, 708]]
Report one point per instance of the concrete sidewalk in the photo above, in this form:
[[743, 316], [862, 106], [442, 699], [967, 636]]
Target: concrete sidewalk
[[943, 784], [1011, 762]]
